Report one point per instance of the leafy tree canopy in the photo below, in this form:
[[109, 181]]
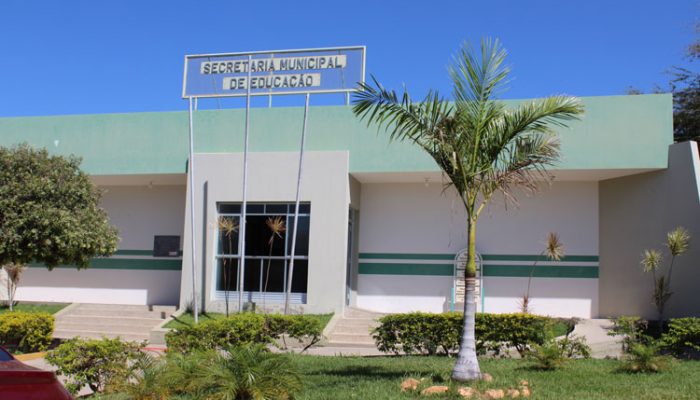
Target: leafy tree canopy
[[49, 211]]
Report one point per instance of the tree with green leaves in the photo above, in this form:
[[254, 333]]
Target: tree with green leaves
[[482, 145], [49, 213]]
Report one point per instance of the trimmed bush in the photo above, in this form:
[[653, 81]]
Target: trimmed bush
[[93, 363], [26, 332], [440, 333], [682, 336], [307, 330], [244, 329]]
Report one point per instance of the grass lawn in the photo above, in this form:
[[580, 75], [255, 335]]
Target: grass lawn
[[51, 308], [379, 378], [187, 319]]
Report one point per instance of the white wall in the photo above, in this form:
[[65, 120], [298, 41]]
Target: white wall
[[104, 286], [413, 218], [272, 177], [139, 212], [636, 213]]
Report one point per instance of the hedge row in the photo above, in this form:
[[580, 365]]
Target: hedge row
[[433, 333], [26, 332], [244, 329]]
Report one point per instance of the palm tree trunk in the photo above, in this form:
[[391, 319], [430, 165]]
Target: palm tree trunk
[[467, 365]]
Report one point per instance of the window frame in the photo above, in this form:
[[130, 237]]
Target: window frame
[[258, 295]]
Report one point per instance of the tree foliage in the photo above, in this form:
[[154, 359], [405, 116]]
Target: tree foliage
[[49, 211], [482, 145]]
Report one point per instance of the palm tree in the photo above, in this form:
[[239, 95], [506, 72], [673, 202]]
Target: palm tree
[[482, 146]]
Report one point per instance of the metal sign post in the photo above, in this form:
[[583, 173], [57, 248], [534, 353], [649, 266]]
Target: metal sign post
[[195, 309], [296, 207], [267, 73]]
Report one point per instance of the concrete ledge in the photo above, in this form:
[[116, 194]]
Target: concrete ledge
[[157, 334]]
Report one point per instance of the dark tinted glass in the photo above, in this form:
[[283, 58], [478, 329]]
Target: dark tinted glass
[[228, 235], [302, 247], [251, 280], [275, 278], [301, 276], [260, 238], [255, 208], [276, 208], [227, 274], [229, 208], [304, 208]]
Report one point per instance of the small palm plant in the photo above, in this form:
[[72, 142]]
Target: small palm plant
[[246, 373], [677, 241], [228, 226], [277, 227], [553, 251]]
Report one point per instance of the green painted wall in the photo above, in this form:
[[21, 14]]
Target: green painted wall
[[442, 264], [617, 132]]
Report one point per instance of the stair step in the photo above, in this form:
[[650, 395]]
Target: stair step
[[353, 330], [103, 320], [344, 322], [87, 334], [350, 338], [106, 328], [126, 307], [119, 313]]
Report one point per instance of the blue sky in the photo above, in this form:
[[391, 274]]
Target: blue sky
[[77, 57]]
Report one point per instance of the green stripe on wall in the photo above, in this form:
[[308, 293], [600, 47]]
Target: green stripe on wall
[[484, 257], [406, 256], [541, 271], [513, 271], [405, 269], [127, 263], [517, 257], [134, 253]]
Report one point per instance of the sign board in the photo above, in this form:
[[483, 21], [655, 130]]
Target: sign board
[[459, 285], [327, 70]]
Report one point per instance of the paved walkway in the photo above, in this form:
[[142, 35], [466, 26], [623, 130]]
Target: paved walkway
[[596, 333]]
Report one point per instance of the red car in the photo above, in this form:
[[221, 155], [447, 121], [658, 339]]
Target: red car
[[19, 381]]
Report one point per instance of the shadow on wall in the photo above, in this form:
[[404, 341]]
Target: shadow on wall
[[109, 286]]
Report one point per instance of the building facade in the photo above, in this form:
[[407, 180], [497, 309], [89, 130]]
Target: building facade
[[378, 229]]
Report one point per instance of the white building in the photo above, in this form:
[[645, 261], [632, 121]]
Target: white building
[[377, 229]]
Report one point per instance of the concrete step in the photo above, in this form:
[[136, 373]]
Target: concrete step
[[95, 320], [353, 330], [115, 326], [350, 322], [93, 312], [87, 334], [126, 307], [357, 313], [336, 338]]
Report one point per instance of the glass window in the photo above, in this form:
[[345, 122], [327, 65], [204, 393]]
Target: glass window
[[268, 247]]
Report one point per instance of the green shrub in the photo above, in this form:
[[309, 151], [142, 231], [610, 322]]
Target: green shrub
[[683, 334], [307, 330], [92, 362], [633, 329], [244, 329], [644, 358], [27, 332], [440, 333], [237, 330], [249, 372], [555, 352]]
